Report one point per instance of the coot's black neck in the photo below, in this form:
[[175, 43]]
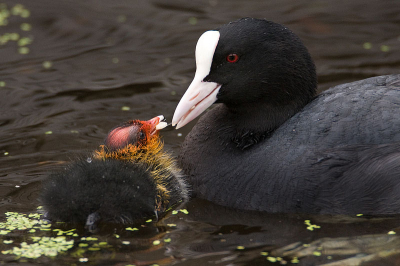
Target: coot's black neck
[[256, 121]]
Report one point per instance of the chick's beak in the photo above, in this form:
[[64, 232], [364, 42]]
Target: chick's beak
[[157, 123]]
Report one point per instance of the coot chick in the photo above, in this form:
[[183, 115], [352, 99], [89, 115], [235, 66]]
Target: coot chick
[[128, 178], [271, 144]]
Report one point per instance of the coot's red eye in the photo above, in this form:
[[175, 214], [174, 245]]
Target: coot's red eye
[[232, 58]]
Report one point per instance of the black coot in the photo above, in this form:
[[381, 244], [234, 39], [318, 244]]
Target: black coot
[[127, 179], [271, 144]]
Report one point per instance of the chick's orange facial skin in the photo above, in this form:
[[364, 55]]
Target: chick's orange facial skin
[[127, 139], [134, 132]]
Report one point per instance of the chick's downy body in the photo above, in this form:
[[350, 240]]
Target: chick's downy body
[[128, 178]]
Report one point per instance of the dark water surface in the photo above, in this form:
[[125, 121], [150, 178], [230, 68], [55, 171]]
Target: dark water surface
[[78, 68]]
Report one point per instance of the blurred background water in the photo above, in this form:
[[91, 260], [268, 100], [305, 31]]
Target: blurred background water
[[71, 70]]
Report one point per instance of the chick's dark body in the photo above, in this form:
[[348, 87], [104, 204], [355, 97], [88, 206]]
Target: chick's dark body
[[117, 191]]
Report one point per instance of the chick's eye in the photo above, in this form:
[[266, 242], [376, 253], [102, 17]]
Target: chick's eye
[[142, 135], [232, 58]]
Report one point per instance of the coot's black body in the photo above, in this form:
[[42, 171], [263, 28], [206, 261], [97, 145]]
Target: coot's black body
[[284, 151]]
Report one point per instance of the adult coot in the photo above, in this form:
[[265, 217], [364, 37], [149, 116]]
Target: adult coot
[[271, 144], [128, 178]]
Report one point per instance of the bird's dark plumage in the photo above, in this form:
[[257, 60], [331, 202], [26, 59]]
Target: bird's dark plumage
[[128, 179], [271, 145]]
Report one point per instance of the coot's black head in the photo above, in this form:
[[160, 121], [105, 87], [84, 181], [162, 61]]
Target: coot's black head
[[249, 64]]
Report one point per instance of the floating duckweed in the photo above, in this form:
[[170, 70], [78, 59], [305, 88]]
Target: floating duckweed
[[82, 245], [17, 9], [359, 215], [184, 211], [115, 60], [25, 13], [20, 10], [83, 260], [149, 221], [4, 232], [271, 259], [306, 245], [23, 50], [126, 242], [24, 41], [89, 238], [121, 18], [45, 225], [385, 48], [6, 153], [264, 253], [116, 236], [167, 240], [310, 226], [44, 246], [367, 45], [391, 233], [8, 241], [14, 36], [192, 21], [131, 229], [103, 243], [61, 232], [125, 108], [171, 225], [39, 208], [32, 231], [35, 215], [156, 242], [174, 212], [317, 253], [2, 84], [18, 221], [240, 247], [295, 260], [26, 27], [48, 132], [74, 131], [93, 249], [3, 22], [329, 257], [47, 64]]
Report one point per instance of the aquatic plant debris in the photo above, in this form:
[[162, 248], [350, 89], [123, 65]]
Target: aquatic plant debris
[[184, 211], [310, 226], [295, 260], [20, 11], [385, 48], [47, 64], [367, 45], [40, 239]]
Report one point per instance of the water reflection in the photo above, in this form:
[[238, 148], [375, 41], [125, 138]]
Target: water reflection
[[90, 65]]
